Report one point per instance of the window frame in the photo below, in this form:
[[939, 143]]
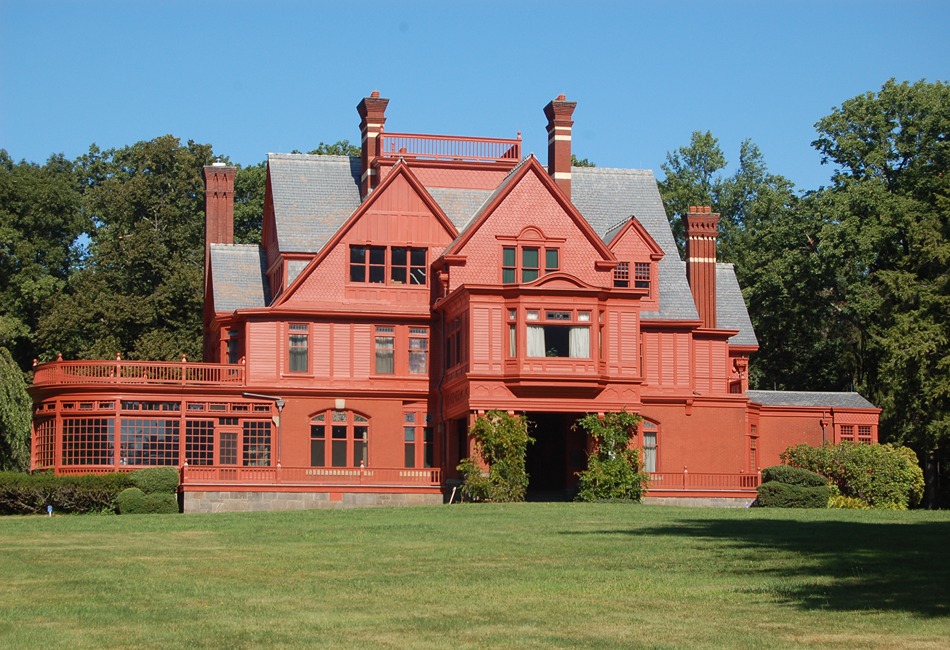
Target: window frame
[[377, 265], [299, 331], [514, 264], [353, 444]]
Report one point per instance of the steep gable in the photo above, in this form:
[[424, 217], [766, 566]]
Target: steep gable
[[399, 212]]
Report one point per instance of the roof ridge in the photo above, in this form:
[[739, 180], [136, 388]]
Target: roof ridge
[[613, 170]]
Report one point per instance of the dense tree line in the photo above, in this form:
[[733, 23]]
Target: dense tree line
[[846, 284]]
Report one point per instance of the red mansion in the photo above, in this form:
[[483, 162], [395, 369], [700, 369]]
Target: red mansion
[[398, 295]]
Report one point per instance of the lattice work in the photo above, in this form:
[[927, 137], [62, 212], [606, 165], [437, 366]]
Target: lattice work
[[199, 442], [149, 442], [88, 441], [256, 448], [44, 443]]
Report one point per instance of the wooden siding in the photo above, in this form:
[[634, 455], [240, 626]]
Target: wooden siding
[[264, 352]]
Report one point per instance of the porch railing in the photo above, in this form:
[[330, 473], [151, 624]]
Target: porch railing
[[311, 476], [699, 481], [159, 373], [447, 147]]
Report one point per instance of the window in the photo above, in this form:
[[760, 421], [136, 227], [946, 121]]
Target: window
[[348, 437], [385, 351], [368, 264], [649, 446], [754, 448], [299, 348], [256, 447], [405, 264], [454, 350], [847, 432], [864, 434], [418, 350], [199, 442], [622, 275], [530, 265], [641, 275], [44, 442], [416, 431], [408, 265], [149, 442], [88, 441], [227, 454], [234, 346], [558, 340]]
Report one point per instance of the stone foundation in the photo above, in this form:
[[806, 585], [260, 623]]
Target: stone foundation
[[208, 502], [700, 502]]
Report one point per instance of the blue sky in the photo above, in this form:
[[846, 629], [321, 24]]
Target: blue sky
[[255, 77]]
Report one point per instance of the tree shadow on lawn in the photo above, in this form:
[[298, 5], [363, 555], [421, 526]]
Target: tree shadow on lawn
[[846, 566]]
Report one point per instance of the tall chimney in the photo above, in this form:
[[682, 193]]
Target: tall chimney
[[702, 230], [219, 204], [372, 112], [219, 229], [559, 112]]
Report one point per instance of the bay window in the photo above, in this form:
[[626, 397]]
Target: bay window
[[562, 333]]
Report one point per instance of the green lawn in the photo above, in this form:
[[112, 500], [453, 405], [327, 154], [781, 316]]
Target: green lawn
[[535, 575]]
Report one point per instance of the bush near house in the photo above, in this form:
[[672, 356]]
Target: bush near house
[[882, 476], [151, 490], [501, 444], [792, 487], [613, 469], [30, 494]]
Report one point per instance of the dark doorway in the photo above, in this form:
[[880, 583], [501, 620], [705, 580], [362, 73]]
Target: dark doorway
[[557, 454]]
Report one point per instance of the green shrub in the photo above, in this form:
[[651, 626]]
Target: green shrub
[[501, 442], [24, 494], [774, 494], [613, 469], [793, 476], [883, 476], [160, 503], [847, 503], [131, 501], [156, 479]]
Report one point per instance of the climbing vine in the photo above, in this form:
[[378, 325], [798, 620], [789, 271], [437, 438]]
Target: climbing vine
[[613, 468], [501, 444]]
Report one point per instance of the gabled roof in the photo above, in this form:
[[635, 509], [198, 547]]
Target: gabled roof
[[459, 204], [731, 312], [312, 196], [807, 398], [237, 271], [615, 233], [529, 165], [399, 170]]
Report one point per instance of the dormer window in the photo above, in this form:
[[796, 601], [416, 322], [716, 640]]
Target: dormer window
[[526, 262], [395, 265], [641, 275]]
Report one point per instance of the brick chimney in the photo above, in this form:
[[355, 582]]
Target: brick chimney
[[372, 112], [559, 112], [219, 204], [702, 230]]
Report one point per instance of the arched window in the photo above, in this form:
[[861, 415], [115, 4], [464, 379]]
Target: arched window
[[339, 439], [650, 431]]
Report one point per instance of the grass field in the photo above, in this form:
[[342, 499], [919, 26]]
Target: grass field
[[534, 575]]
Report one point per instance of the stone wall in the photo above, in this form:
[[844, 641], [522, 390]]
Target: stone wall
[[207, 502]]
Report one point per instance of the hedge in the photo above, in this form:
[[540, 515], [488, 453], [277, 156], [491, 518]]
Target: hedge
[[156, 479], [30, 494], [774, 494], [793, 476]]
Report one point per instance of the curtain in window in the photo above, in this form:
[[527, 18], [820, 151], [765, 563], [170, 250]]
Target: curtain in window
[[580, 342], [535, 341]]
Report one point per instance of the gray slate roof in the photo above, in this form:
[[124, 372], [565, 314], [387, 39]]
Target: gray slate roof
[[608, 197], [807, 398], [731, 312], [313, 197], [238, 272]]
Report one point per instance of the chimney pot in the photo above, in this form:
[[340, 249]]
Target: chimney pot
[[559, 113], [701, 235]]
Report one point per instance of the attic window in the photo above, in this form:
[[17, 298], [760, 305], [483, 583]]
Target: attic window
[[530, 262], [396, 265], [641, 275], [622, 275]]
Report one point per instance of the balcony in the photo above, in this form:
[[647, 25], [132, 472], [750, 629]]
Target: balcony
[[138, 373], [203, 477], [447, 148]]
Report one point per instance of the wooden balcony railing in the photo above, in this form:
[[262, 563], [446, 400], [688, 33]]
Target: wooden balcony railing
[[698, 481], [159, 373], [311, 476], [450, 148]]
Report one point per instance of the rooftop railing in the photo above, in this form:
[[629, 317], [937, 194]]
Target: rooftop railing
[[158, 373], [450, 148]]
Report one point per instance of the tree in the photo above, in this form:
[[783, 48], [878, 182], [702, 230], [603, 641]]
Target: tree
[[501, 444], [613, 469], [40, 223], [140, 290], [886, 236], [249, 187], [15, 414], [581, 162], [338, 148]]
